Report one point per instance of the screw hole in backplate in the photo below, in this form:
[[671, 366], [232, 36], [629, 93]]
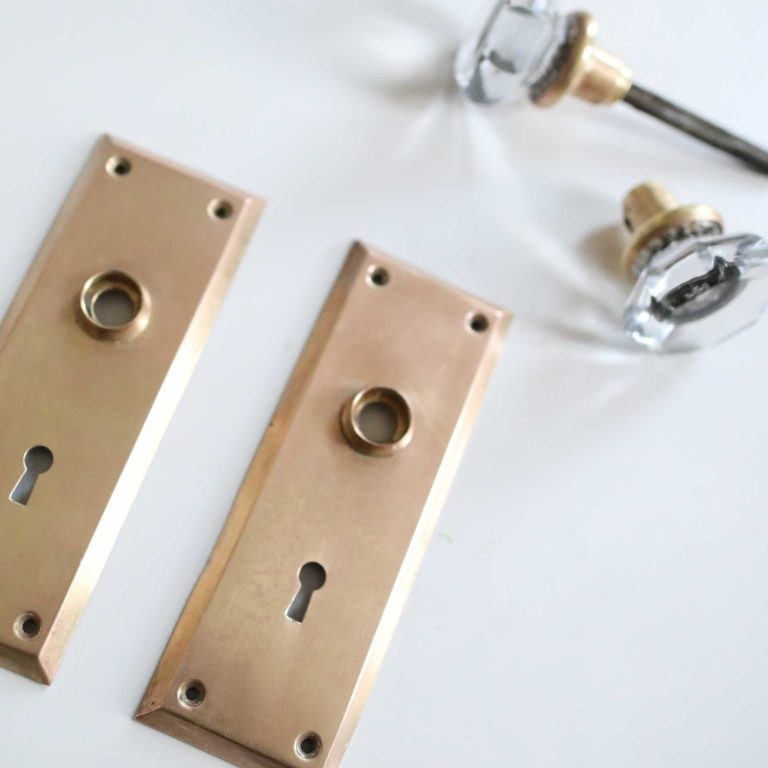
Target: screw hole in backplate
[[192, 694], [308, 745], [118, 166], [477, 322], [27, 626], [377, 276], [220, 209]]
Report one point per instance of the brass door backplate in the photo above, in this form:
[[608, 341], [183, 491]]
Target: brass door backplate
[[280, 642], [95, 351]]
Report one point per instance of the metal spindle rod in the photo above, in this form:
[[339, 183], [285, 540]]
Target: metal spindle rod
[[696, 126]]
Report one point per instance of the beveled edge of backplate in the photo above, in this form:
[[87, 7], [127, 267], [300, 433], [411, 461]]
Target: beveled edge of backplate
[[208, 741], [153, 710], [39, 658]]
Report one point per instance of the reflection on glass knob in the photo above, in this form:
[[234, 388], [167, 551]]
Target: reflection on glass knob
[[528, 49], [695, 286]]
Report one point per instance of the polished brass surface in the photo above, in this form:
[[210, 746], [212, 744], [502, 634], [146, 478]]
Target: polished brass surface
[[651, 211], [390, 402], [645, 202], [274, 686], [587, 72], [94, 291], [95, 351]]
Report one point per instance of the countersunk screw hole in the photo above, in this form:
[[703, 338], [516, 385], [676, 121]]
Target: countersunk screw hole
[[378, 276], [27, 626], [308, 745], [192, 694], [478, 323], [118, 166], [220, 209]]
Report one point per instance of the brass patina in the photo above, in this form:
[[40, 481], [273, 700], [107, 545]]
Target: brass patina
[[249, 674], [95, 352]]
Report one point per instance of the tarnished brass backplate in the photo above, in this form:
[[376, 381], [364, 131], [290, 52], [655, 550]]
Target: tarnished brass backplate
[[95, 351], [335, 506]]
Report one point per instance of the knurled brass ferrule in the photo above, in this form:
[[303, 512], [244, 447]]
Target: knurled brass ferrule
[[655, 218]]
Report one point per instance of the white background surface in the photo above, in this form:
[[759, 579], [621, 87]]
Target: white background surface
[[595, 594]]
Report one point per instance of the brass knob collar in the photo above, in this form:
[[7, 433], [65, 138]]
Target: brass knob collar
[[655, 219], [582, 69]]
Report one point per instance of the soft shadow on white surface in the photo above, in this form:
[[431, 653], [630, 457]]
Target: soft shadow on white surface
[[601, 249], [400, 49], [595, 594], [554, 271]]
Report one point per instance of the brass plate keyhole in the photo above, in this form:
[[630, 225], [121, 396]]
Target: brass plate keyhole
[[37, 461], [311, 578]]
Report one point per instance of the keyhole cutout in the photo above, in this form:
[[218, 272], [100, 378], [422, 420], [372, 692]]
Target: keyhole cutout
[[37, 461], [311, 578]]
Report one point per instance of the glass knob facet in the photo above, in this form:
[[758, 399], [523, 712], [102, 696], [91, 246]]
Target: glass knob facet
[[695, 286]]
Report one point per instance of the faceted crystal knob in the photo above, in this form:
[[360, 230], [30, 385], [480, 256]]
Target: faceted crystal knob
[[509, 51], [695, 285]]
